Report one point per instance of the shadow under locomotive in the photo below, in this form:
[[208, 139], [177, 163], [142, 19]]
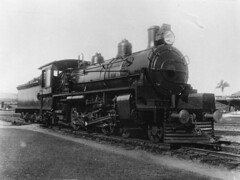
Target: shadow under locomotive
[[146, 89]]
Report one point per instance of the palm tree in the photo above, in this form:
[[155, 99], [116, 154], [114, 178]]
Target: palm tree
[[222, 85]]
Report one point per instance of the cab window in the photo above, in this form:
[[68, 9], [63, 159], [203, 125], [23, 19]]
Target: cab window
[[46, 78], [55, 73]]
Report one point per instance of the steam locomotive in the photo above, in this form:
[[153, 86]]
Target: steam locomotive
[[146, 89]]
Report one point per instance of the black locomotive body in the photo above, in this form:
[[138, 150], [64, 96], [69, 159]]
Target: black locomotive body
[[146, 89]]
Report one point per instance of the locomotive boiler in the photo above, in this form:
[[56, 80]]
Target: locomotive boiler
[[147, 89]]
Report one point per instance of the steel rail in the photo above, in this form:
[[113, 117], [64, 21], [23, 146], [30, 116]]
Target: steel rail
[[216, 153]]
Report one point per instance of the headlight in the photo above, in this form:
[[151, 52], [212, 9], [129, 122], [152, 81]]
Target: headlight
[[168, 37]]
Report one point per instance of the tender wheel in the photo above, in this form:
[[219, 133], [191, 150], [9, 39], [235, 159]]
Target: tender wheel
[[125, 133], [155, 133], [108, 130], [39, 119], [74, 118], [33, 118], [59, 127], [27, 117]]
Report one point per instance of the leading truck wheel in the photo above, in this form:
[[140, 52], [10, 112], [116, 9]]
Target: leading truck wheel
[[108, 130], [74, 118], [125, 132], [155, 133]]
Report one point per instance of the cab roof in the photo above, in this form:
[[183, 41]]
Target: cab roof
[[62, 64]]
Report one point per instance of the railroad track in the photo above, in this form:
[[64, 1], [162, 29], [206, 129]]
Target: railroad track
[[227, 124], [216, 153], [216, 158], [129, 143], [227, 129], [227, 132], [227, 156]]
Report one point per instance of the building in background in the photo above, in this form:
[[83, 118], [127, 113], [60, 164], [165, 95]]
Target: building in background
[[8, 101]]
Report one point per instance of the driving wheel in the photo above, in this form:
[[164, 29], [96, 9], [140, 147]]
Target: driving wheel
[[125, 133], [108, 130], [74, 118], [155, 133]]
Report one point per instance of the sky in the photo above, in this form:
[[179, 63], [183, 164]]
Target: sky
[[36, 32]]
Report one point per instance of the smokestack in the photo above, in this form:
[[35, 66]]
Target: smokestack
[[152, 31]]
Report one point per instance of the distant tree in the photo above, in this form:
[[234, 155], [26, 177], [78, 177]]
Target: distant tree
[[222, 85]]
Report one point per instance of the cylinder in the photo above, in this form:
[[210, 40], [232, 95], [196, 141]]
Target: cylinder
[[97, 59], [124, 48], [152, 31]]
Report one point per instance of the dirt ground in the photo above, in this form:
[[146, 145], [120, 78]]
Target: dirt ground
[[33, 155], [137, 163]]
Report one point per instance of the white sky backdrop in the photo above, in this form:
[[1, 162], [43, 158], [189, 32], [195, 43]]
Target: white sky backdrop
[[35, 32]]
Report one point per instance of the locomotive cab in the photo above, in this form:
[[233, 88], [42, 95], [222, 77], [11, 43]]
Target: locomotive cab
[[52, 80]]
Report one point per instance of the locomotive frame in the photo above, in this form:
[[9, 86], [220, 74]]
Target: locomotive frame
[[146, 89]]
